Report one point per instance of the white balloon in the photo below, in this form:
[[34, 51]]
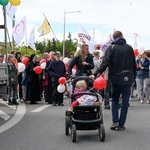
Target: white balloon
[[101, 53], [65, 60], [141, 50], [61, 88], [43, 65], [73, 71], [21, 67]]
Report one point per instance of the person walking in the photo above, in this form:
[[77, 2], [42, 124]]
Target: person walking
[[33, 92], [83, 61], [56, 70], [13, 81], [120, 59], [142, 78], [49, 91]]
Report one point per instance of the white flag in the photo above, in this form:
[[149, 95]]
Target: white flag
[[85, 38], [31, 40], [19, 30], [11, 10], [135, 40]]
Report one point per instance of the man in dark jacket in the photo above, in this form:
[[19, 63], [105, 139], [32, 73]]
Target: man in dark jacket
[[120, 59], [56, 70]]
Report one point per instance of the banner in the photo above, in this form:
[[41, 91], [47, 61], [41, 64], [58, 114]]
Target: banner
[[31, 40], [85, 38], [11, 10], [19, 30], [44, 28]]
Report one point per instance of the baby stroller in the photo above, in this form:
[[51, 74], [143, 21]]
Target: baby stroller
[[87, 117]]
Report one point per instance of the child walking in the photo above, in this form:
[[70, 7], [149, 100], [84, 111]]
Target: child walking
[[13, 81]]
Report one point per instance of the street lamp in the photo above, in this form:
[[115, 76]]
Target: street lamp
[[94, 30], [65, 27]]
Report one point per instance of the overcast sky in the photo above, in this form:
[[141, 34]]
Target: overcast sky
[[129, 16]]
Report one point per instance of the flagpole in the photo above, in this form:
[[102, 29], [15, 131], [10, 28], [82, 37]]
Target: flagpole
[[26, 40], [13, 24], [50, 27], [5, 32]]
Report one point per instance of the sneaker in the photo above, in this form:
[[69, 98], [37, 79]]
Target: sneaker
[[114, 126], [121, 128], [60, 104], [54, 104], [16, 103], [147, 101], [10, 103], [141, 101]]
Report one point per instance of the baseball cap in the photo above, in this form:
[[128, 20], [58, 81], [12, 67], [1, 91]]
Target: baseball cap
[[1, 55], [57, 53]]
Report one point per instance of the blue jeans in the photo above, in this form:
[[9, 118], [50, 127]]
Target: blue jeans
[[117, 90]]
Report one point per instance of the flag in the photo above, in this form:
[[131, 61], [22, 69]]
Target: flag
[[85, 38], [11, 10], [135, 40], [31, 40], [19, 30], [107, 43], [44, 28]]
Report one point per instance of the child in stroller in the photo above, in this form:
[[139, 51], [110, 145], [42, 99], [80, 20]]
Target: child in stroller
[[85, 111], [81, 87]]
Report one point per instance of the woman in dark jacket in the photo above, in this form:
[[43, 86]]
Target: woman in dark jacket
[[33, 82], [83, 61], [142, 78]]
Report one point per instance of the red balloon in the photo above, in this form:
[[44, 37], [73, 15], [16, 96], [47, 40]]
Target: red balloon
[[42, 60], [25, 60], [99, 83], [62, 80], [136, 53], [38, 70], [98, 47]]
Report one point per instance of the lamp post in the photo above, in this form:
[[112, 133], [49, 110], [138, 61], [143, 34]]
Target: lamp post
[[65, 28], [94, 30]]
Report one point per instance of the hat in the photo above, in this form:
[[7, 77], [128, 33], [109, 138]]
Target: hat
[[57, 53], [1, 55]]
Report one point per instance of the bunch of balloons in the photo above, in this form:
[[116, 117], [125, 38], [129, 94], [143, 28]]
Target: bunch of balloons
[[13, 2], [61, 86]]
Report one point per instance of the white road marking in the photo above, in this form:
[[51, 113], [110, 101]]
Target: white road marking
[[41, 108], [4, 115], [5, 103], [20, 112]]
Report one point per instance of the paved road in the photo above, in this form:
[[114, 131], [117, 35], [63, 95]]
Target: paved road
[[42, 127]]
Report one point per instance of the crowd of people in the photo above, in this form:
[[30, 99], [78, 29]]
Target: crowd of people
[[122, 70]]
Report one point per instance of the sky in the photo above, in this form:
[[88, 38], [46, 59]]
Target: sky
[[98, 17]]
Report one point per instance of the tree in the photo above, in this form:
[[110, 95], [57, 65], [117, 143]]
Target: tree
[[70, 46]]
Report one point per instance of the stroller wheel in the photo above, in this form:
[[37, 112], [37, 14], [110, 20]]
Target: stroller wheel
[[73, 133], [101, 131], [67, 124]]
